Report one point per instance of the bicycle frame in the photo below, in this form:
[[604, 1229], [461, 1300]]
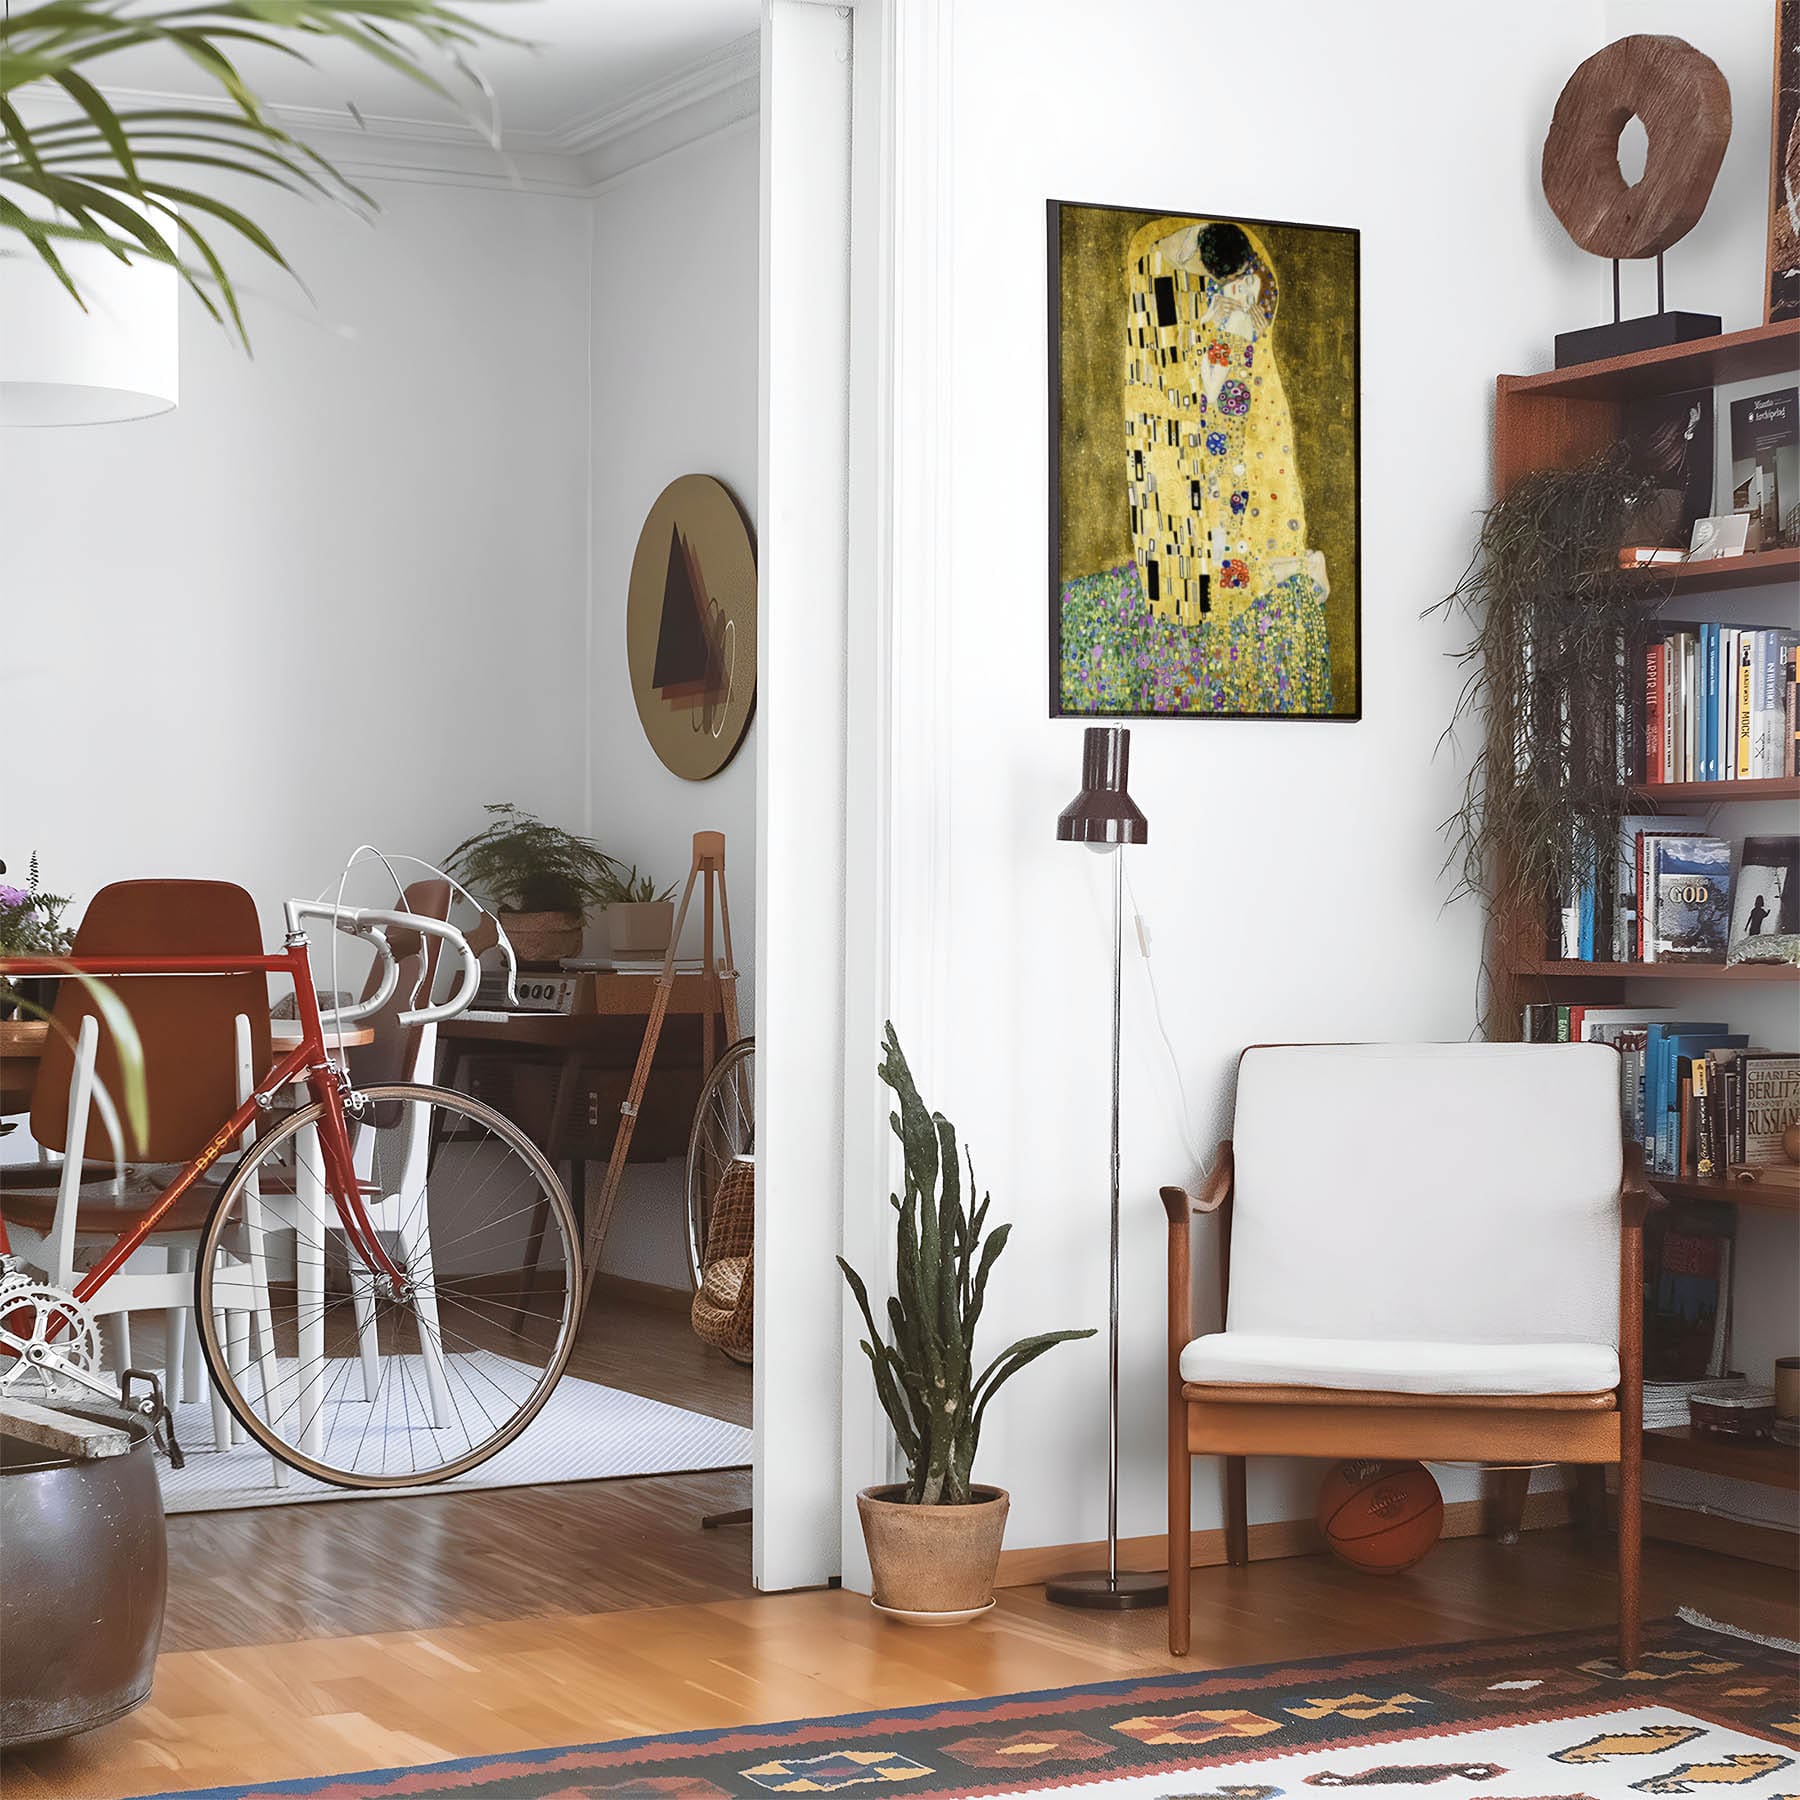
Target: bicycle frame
[[309, 1061]]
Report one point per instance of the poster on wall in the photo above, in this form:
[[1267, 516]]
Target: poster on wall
[[1784, 168], [1205, 478]]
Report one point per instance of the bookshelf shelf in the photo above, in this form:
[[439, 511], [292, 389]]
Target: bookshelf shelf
[[1777, 787], [1770, 1197], [1764, 350], [1759, 568], [1758, 1460], [1656, 971]]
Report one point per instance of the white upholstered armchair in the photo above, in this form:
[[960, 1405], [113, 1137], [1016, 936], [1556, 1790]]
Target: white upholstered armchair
[[1427, 1251]]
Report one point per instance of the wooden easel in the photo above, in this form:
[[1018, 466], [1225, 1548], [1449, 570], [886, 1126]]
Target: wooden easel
[[720, 977]]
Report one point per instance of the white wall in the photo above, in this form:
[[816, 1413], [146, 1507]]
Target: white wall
[[674, 338], [377, 527], [1292, 879]]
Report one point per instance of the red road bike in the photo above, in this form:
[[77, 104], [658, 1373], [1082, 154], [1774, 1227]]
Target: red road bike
[[387, 1280]]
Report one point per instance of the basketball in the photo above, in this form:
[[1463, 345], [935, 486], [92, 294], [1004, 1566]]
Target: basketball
[[1380, 1517]]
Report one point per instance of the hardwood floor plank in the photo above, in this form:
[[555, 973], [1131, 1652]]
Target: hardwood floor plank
[[329, 1705]]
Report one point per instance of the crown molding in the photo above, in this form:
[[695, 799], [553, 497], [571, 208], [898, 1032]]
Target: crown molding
[[706, 96], [721, 73]]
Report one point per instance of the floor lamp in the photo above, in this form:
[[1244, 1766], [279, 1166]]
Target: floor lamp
[[1104, 817]]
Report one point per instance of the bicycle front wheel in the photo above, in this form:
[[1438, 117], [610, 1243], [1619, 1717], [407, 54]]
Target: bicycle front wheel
[[358, 1379]]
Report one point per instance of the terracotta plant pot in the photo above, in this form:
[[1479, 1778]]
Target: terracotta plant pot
[[933, 1564], [542, 939], [640, 928]]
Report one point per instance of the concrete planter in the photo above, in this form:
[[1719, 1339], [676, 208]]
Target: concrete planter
[[81, 1607], [933, 1565], [640, 928], [542, 939]]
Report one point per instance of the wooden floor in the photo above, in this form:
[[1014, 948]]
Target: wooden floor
[[281, 1573], [315, 1640], [336, 1704]]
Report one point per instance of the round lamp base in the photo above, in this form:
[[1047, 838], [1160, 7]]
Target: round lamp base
[[1095, 1590]]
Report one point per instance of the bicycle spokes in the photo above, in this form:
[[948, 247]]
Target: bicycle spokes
[[411, 1334]]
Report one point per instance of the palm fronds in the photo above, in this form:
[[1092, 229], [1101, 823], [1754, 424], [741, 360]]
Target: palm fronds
[[138, 182]]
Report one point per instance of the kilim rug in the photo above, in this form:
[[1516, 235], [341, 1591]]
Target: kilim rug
[[1542, 1718]]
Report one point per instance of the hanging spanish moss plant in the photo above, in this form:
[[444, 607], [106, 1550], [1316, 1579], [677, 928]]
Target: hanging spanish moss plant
[[1548, 679]]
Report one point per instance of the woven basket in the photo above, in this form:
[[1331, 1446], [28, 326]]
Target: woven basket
[[723, 1308]]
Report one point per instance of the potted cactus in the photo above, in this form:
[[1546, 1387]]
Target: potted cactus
[[934, 1539]]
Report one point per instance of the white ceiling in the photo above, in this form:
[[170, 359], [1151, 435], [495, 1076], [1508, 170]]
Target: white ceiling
[[588, 60]]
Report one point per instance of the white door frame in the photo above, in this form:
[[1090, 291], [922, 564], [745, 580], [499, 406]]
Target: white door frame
[[852, 810]]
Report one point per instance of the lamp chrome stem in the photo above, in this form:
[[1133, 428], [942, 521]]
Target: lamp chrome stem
[[1112, 1297]]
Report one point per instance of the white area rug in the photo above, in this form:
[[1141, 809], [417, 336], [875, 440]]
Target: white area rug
[[586, 1432]]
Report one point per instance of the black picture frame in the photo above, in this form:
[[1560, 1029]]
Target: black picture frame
[[1054, 209]]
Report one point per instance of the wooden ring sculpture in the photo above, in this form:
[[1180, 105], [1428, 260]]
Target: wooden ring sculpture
[[1685, 104]]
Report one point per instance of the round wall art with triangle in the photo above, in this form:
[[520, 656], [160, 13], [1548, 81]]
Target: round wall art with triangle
[[690, 626]]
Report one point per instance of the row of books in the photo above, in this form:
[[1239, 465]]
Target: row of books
[[1677, 894], [1699, 1097], [1719, 704]]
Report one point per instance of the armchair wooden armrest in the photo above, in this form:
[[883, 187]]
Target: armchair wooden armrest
[[1179, 1204]]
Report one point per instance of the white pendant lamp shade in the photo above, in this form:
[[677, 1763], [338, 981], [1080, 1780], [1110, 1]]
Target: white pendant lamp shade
[[120, 359]]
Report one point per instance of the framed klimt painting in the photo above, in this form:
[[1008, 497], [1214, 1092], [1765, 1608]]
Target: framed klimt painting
[[1205, 450]]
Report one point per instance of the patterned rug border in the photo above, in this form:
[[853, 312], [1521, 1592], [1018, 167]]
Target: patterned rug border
[[1197, 1684]]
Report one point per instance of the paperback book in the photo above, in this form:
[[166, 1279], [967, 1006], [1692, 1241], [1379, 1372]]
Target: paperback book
[[1688, 889]]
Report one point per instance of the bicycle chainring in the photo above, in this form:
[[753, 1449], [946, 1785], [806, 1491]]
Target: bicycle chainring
[[34, 1312]]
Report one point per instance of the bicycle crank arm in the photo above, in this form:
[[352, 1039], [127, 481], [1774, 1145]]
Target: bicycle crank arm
[[48, 1358]]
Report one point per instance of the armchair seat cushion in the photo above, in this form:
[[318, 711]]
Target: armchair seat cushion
[[1401, 1366]]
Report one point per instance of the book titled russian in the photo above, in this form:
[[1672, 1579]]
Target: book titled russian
[[1770, 1099], [1765, 460], [1690, 885]]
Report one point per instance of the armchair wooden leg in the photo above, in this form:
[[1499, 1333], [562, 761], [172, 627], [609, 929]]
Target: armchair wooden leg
[[1506, 1501], [1590, 1499], [1237, 1513], [1630, 1549], [1181, 1549]]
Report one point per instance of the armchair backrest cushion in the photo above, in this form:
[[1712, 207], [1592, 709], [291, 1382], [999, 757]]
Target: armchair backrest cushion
[[1450, 1192]]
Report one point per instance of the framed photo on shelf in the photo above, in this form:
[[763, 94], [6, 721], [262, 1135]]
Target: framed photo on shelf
[[1205, 466]]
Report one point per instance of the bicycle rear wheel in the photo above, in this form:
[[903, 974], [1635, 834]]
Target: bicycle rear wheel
[[724, 1127], [344, 1374]]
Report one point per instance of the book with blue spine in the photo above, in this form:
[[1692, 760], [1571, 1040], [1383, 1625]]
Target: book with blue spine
[[1656, 1102]]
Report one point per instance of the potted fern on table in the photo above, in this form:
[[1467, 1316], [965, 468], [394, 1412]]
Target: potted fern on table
[[934, 1539]]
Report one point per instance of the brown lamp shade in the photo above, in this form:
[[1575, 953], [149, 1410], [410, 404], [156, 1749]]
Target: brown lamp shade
[[1103, 812]]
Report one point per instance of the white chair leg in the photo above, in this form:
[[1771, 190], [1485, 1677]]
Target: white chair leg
[[115, 1332], [415, 1255], [193, 1361], [237, 1359], [309, 1269], [222, 1421], [368, 1343], [175, 1329]]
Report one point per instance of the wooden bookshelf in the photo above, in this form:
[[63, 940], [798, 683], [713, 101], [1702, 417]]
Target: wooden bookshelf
[[1758, 568], [1743, 1459], [1763, 350], [1560, 418], [1713, 793], [1764, 1196], [1551, 970]]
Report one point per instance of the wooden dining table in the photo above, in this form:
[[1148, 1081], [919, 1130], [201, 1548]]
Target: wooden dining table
[[22, 1044]]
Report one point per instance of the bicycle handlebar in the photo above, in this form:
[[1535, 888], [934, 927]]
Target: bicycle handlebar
[[373, 925]]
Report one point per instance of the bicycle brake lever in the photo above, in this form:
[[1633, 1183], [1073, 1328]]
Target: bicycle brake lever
[[156, 1409]]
